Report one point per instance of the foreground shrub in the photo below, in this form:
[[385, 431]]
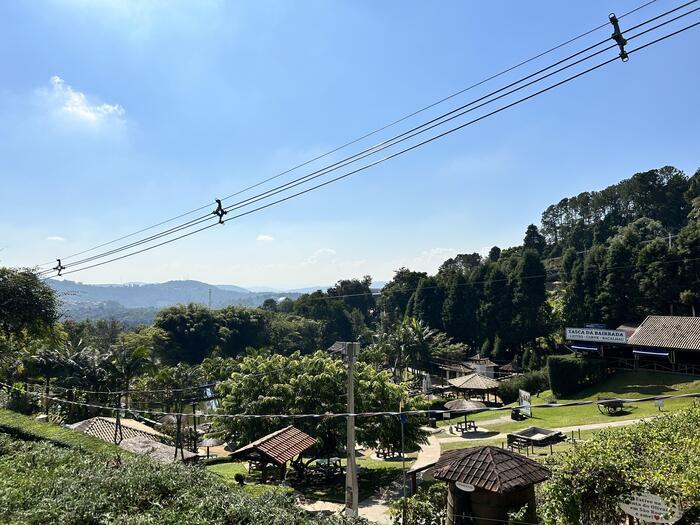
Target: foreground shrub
[[41, 483], [660, 456], [426, 507], [533, 382], [569, 374]]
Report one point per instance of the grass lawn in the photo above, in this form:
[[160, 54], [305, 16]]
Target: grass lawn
[[585, 435], [626, 384], [373, 475], [28, 428]]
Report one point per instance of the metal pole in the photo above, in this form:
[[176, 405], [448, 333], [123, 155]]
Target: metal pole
[[402, 419], [351, 488]]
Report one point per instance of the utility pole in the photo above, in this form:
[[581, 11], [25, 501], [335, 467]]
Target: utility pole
[[350, 352], [402, 420], [210, 298]]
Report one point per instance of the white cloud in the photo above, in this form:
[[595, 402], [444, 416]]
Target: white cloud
[[65, 101], [320, 255], [265, 238], [56, 238]]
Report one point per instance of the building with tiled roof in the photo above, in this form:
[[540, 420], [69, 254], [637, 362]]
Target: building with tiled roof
[[105, 427], [488, 482], [669, 332], [276, 448]]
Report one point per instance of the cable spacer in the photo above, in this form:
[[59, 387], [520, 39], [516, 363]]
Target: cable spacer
[[618, 38], [219, 211], [59, 267]]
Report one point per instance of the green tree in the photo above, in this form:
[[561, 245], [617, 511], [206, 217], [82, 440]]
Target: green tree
[[494, 254], [28, 307], [427, 302], [356, 294], [313, 384], [529, 295], [496, 307], [459, 311], [190, 333], [332, 312], [534, 240], [396, 294]]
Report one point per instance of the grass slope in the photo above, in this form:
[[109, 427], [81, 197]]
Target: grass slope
[[29, 429], [626, 384]]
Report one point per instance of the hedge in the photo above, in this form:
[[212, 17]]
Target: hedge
[[569, 374], [533, 382]]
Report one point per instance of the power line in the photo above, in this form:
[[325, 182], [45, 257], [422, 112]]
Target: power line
[[442, 119], [437, 121], [366, 135], [400, 151], [505, 279], [160, 390], [381, 160], [333, 415]]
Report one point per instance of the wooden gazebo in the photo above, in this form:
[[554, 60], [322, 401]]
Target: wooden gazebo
[[474, 383], [485, 483], [276, 448]]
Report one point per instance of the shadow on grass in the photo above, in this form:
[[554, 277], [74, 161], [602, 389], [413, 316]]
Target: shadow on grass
[[333, 489], [643, 383]]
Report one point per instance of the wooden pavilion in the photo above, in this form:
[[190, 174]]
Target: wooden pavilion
[[474, 384], [485, 483], [276, 449]]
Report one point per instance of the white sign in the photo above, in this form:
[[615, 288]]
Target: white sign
[[524, 400], [650, 508], [464, 486], [598, 335]]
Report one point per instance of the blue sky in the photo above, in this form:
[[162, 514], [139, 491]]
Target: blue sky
[[117, 114]]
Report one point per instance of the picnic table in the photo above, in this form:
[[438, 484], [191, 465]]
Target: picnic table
[[531, 437], [466, 426]]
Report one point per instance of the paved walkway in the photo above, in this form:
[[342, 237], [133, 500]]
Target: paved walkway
[[471, 436], [376, 507]]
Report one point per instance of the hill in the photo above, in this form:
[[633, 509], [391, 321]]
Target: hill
[[138, 303]]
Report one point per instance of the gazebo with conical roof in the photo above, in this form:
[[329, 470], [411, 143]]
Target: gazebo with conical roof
[[474, 383], [485, 483]]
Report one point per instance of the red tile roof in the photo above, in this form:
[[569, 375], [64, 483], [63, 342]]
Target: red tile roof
[[280, 446], [489, 468]]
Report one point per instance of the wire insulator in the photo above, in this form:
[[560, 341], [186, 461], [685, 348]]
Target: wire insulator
[[219, 211], [618, 38]]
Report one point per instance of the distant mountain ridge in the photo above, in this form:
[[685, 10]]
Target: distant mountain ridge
[[158, 295], [139, 303]]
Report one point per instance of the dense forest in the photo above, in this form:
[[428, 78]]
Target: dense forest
[[611, 256]]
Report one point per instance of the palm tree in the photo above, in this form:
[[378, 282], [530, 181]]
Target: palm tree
[[44, 362], [412, 340], [128, 362]]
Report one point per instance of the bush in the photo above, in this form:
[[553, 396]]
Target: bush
[[533, 382], [426, 507], [42, 483], [569, 374], [239, 478], [659, 456]]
